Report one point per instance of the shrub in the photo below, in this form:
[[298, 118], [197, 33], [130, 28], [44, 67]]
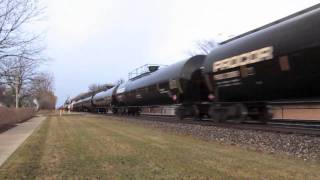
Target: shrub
[[9, 116]]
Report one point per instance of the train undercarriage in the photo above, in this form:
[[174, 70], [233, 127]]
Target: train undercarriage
[[217, 112], [223, 111]]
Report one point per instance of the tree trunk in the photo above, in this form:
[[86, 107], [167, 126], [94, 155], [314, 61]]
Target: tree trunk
[[17, 96]]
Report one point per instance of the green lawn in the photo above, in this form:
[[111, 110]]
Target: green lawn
[[97, 147]]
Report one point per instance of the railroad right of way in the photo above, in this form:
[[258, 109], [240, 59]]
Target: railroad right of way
[[296, 145]]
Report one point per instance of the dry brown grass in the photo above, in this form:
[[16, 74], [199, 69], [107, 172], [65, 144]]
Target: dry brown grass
[[97, 147], [9, 116]]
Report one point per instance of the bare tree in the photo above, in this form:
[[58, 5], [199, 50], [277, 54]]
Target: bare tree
[[46, 100], [95, 87], [41, 89], [203, 47], [43, 81], [20, 51], [14, 14], [18, 73], [99, 87]]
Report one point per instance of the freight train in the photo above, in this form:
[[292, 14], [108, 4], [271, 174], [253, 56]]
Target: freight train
[[237, 80]]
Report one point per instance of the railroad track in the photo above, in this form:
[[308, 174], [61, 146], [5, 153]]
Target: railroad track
[[287, 127]]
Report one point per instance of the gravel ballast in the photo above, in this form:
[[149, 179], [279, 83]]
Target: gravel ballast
[[296, 145]]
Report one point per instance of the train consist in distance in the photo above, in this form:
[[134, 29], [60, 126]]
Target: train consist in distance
[[238, 79]]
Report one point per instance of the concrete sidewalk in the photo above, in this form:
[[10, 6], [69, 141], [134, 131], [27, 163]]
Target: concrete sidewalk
[[10, 140]]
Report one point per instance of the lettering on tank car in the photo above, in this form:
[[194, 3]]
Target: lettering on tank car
[[227, 75], [228, 82], [252, 57], [163, 91]]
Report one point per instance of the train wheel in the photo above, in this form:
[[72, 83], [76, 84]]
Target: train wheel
[[218, 113], [196, 113], [216, 118], [138, 112], [180, 113], [115, 111], [122, 112], [265, 115], [241, 113], [214, 114]]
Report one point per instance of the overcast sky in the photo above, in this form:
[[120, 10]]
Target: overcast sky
[[100, 41]]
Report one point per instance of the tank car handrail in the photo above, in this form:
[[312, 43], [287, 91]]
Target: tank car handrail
[[143, 71]]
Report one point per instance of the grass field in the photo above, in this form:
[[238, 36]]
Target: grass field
[[97, 147]]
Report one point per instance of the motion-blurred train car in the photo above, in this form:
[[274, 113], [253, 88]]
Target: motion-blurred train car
[[179, 83], [277, 62]]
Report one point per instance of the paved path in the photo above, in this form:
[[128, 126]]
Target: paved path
[[10, 140]]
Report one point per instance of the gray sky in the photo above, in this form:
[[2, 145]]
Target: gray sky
[[100, 41]]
